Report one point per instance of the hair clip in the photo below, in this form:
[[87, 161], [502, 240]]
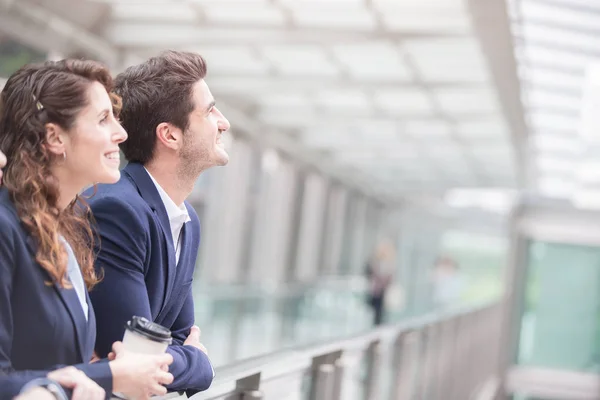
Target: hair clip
[[38, 104]]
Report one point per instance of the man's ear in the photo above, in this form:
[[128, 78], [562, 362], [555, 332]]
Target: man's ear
[[55, 142], [169, 135]]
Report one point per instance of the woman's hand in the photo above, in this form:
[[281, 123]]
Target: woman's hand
[[83, 387], [139, 376], [36, 393]]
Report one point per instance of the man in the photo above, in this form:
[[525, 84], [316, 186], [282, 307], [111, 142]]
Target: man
[[148, 234], [447, 283]]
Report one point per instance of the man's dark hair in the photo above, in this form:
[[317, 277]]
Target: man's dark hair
[[156, 91]]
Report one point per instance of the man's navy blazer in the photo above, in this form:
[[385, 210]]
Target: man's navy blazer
[[42, 326], [137, 258]]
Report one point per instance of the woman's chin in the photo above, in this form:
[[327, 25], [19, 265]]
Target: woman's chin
[[110, 177]]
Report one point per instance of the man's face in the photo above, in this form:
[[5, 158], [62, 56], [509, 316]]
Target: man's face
[[2, 164], [202, 144]]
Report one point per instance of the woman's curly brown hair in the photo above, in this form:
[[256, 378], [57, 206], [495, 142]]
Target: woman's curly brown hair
[[38, 94]]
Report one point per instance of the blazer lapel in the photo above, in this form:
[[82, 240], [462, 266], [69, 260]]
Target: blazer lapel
[[91, 328], [173, 273], [149, 193], [71, 302]]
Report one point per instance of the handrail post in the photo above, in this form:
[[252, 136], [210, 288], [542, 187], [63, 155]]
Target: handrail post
[[324, 383], [327, 376], [444, 357], [398, 367], [248, 388], [338, 383], [373, 373], [428, 353]]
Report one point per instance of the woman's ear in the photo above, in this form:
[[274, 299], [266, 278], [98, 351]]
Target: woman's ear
[[55, 139]]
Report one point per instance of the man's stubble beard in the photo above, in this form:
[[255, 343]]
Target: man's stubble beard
[[192, 163]]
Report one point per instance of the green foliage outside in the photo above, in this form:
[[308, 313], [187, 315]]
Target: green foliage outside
[[14, 55]]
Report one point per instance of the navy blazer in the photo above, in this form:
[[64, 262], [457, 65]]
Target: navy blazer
[[137, 257], [42, 327]]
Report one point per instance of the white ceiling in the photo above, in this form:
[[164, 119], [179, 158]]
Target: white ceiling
[[558, 53], [399, 97]]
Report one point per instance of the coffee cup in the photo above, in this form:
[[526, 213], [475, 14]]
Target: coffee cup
[[147, 337]]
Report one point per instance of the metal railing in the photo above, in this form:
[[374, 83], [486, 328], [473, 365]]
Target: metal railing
[[446, 355]]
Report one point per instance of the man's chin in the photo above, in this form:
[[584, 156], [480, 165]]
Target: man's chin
[[222, 158], [223, 161]]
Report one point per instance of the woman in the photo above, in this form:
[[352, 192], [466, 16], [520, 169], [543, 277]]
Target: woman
[[59, 133], [70, 378]]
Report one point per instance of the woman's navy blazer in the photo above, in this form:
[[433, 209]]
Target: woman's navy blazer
[[42, 326]]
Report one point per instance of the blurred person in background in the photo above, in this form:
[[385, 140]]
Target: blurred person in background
[[380, 275], [148, 233], [59, 134], [447, 282]]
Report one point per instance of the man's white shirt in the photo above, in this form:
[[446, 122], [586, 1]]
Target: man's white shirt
[[178, 216]]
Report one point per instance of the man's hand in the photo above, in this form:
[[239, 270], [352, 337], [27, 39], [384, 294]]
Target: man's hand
[[193, 340], [83, 387]]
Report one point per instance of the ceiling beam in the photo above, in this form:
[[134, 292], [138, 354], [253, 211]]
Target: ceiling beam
[[548, 44], [248, 83], [549, 67], [378, 30], [584, 6], [293, 117], [492, 26], [139, 35]]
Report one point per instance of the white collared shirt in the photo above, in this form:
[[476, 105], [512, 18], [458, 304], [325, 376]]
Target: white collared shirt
[[178, 216], [76, 277]]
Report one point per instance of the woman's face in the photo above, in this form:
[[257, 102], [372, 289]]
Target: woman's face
[[2, 164], [92, 145]]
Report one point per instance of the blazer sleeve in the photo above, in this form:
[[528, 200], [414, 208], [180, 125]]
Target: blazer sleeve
[[191, 367], [13, 380], [121, 250], [123, 293]]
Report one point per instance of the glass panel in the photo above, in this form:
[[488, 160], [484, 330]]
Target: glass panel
[[480, 259], [560, 325], [239, 322]]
